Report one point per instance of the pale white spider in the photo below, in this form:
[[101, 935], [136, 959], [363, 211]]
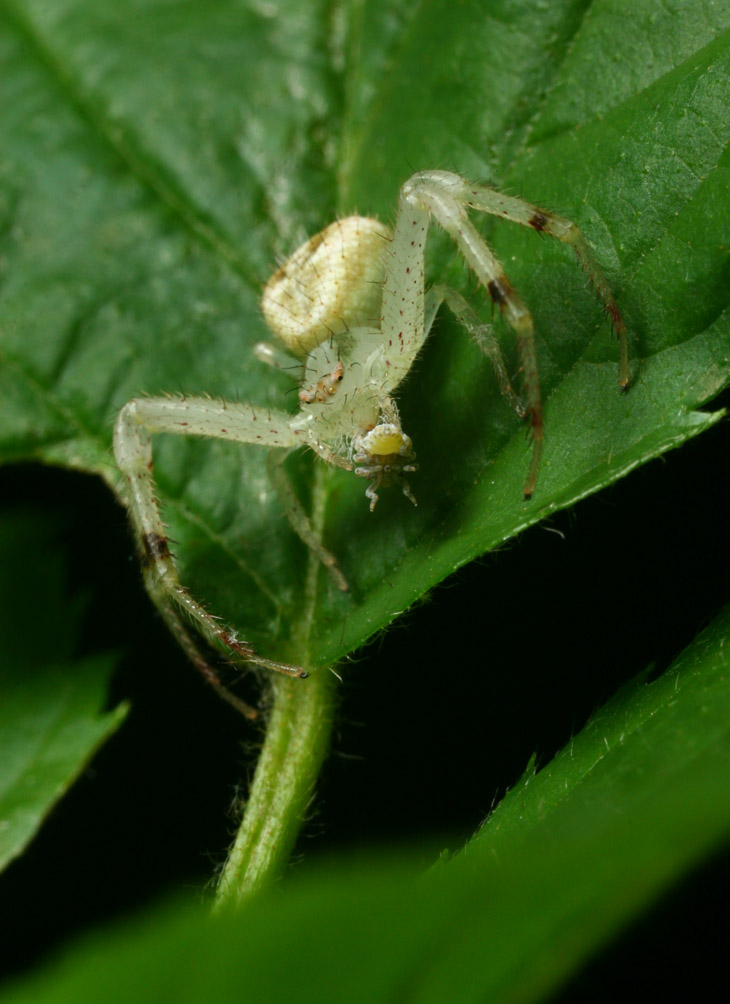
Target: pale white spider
[[351, 306]]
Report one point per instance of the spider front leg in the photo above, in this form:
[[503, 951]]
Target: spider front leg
[[487, 200], [192, 416], [439, 194], [447, 198]]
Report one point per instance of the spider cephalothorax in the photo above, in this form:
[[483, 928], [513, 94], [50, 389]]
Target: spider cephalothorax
[[352, 311]]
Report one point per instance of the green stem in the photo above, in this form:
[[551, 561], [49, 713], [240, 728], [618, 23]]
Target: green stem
[[297, 740]]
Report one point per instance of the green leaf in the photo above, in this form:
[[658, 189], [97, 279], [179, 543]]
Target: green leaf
[[51, 718], [569, 857], [158, 158]]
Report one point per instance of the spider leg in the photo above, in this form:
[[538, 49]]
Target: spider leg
[[185, 639], [277, 357], [487, 200], [482, 335], [443, 196], [137, 422], [299, 520]]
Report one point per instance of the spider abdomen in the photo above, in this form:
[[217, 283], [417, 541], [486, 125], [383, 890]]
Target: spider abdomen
[[331, 284]]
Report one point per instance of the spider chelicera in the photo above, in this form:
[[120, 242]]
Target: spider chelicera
[[352, 310]]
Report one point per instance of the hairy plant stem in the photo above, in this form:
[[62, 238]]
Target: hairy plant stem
[[296, 743]]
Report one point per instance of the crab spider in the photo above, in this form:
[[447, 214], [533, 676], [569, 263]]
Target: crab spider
[[352, 308]]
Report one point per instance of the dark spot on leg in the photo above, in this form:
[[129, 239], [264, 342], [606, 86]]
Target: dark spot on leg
[[617, 322], [499, 290], [155, 546], [231, 640], [538, 222]]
